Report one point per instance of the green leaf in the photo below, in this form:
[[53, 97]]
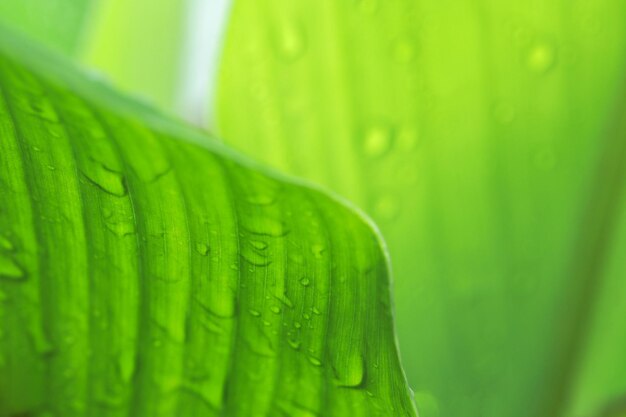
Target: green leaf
[[471, 132], [147, 270], [58, 24], [139, 46]]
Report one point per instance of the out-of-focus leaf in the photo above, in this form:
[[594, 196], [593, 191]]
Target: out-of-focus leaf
[[147, 270], [471, 131], [139, 46], [58, 24]]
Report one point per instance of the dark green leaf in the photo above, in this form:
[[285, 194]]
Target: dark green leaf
[[146, 270]]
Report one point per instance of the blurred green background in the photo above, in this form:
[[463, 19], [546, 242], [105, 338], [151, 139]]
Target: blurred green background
[[480, 135]]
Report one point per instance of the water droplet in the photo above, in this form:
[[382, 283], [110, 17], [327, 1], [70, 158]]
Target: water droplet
[[377, 141], [202, 248], [503, 113], [109, 181], [297, 325], [285, 300], [350, 371], [121, 228], [6, 244], [42, 344], [254, 313], [39, 108], [268, 227], [292, 43], [275, 309], [254, 258], [294, 343], [315, 361], [541, 57], [386, 207], [261, 199], [305, 282], [316, 311], [318, 250], [257, 244], [404, 51], [9, 269]]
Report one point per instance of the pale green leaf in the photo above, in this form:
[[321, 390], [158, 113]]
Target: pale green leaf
[[471, 131], [58, 24]]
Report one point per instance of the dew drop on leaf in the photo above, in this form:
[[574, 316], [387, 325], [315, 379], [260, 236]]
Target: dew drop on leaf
[[107, 180], [6, 244], [350, 371], [275, 309], [377, 141], [292, 44], [257, 244], [40, 341], [202, 248], [295, 344], [285, 300], [315, 361], [541, 57], [318, 250], [10, 270], [305, 282], [254, 313], [261, 199], [121, 228]]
